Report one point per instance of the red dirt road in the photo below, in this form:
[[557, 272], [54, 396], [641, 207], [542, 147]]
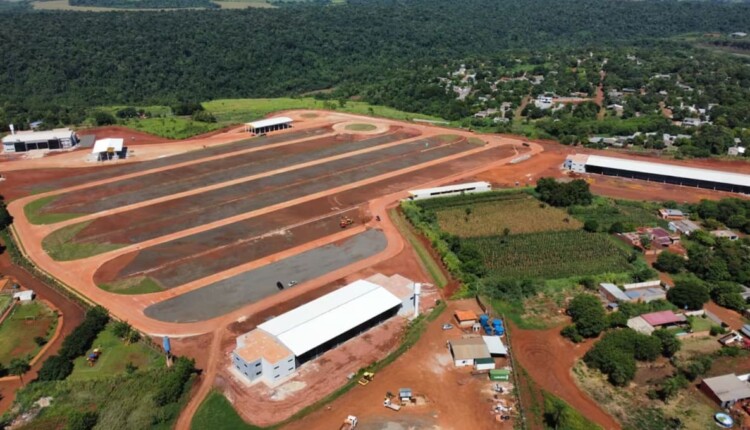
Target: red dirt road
[[72, 317], [548, 358]]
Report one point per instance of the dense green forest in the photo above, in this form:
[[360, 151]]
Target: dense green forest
[[147, 4], [385, 51]]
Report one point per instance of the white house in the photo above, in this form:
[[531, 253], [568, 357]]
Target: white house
[[24, 296]]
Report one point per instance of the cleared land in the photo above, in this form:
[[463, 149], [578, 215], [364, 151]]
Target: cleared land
[[235, 292], [26, 322], [195, 210], [175, 262], [185, 178], [115, 355], [194, 155], [519, 213], [551, 255]]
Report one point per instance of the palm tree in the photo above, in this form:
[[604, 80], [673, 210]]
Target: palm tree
[[18, 367]]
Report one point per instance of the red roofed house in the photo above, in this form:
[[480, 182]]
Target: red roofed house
[[664, 319]]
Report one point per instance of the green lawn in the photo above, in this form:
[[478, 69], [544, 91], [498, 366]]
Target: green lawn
[[699, 324], [429, 263], [217, 413], [60, 246], [5, 300], [360, 127], [136, 285], [171, 127], [33, 212], [115, 355], [18, 331], [244, 110]]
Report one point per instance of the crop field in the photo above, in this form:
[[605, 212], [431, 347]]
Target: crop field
[[607, 212], [518, 212], [551, 255], [17, 333]]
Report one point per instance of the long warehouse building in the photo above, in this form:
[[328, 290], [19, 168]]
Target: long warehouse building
[[277, 347], [659, 172]]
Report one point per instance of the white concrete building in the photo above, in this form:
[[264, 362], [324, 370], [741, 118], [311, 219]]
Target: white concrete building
[[450, 190], [22, 141], [24, 296], [276, 348]]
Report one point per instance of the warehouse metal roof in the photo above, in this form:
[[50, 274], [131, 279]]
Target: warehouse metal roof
[[38, 136], [102, 145], [495, 345], [322, 319], [270, 122], [615, 291], [728, 388], [669, 170], [469, 348]]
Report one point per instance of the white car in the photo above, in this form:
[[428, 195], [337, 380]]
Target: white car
[[447, 326]]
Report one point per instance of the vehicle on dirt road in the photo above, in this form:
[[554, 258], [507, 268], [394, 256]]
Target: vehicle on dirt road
[[350, 423], [447, 326], [366, 378]]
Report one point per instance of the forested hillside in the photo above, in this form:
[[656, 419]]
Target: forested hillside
[[385, 50]]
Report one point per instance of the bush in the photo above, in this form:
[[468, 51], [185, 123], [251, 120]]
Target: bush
[[55, 368], [204, 116], [615, 354], [79, 341], [688, 293], [39, 340], [591, 226], [617, 227], [173, 384], [588, 315], [559, 194], [81, 420], [717, 330], [571, 333], [669, 342], [104, 118], [128, 112], [669, 262]]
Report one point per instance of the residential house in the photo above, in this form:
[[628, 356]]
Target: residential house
[[684, 226]]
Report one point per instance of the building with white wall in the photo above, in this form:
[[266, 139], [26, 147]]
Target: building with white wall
[[267, 125], [276, 348], [22, 141], [450, 190]]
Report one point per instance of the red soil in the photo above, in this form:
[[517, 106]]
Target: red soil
[[548, 358], [131, 137]]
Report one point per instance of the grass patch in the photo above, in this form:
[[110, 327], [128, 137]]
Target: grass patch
[[115, 355], [560, 415], [18, 331], [551, 255], [514, 311], [243, 110], [244, 4], [216, 412], [360, 127], [430, 265], [609, 211], [172, 127], [60, 246], [523, 214], [477, 141], [33, 211], [5, 300], [135, 285], [698, 324]]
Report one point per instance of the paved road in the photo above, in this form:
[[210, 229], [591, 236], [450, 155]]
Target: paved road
[[240, 290]]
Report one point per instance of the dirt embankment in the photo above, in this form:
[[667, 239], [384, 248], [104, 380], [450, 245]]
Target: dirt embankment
[[548, 359]]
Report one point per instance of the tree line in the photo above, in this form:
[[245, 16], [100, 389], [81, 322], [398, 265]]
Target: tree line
[[382, 50]]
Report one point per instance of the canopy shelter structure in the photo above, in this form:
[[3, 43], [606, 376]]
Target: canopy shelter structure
[[268, 125]]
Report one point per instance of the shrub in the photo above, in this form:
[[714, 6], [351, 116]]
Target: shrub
[[591, 226], [717, 330], [81, 420], [39, 340], [55, 368], [669, 262], [104, 118], [669, 342], [173, 383], [556, 193], [588, 315], [571, 333]]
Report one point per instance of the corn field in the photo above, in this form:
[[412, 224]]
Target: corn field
[[523, 214], [551, 255]]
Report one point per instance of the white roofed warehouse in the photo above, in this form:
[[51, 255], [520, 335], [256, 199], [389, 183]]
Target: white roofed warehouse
[[278, 346], [665, 173], [268, 125], [22, 141]]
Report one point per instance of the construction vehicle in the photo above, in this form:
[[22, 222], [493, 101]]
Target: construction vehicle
[[367, 377], [345, 222], [350, 423], [93, 357]]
